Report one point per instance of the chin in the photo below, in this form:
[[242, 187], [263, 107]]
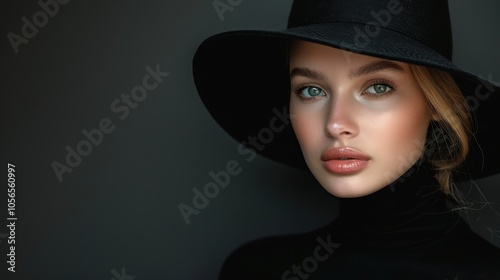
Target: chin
[[349, 186], [342, 193]]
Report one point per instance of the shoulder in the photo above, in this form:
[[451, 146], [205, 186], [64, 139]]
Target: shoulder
[[276, 257], [265, 258]]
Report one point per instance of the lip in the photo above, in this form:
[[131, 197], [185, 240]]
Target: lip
[[344, 160]]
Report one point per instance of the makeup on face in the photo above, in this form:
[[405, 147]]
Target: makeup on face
[[357, 117], [344, 160]]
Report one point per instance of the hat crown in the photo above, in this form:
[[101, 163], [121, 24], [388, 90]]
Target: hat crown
[[427, 21]]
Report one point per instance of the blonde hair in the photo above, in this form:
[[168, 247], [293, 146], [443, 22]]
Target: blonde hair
[[448, 145]]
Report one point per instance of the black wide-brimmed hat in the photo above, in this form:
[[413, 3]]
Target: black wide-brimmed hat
[[242, 76]]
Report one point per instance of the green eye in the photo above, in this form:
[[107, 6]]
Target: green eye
[[311, 92], [378, 89]]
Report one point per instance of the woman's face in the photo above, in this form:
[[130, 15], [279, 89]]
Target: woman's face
[[361, 121]]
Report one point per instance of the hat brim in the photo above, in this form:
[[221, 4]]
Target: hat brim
[[242, 78]]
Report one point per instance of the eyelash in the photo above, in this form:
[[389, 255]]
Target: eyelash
[[384, 82], [297, 90]]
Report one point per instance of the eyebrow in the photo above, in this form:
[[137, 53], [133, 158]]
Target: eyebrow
[[308, 73], [363, 70]]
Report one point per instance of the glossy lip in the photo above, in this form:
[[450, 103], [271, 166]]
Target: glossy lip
[[344, 160]]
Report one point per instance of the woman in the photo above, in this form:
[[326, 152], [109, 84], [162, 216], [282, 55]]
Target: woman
[[384, 121]]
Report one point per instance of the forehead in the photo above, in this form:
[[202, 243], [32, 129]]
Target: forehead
[[304, 53]]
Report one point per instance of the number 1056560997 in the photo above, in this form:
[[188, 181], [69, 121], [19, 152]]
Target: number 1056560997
[[11, 219]]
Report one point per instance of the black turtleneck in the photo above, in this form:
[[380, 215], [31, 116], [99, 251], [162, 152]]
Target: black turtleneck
[[406, 230]]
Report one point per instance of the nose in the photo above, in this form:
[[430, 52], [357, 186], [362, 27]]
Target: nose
[[341, 118]]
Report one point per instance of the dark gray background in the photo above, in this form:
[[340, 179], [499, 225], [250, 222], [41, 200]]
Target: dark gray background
[[119, 207]]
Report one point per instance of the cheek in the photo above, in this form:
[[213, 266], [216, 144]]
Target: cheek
[[402, 134], [308, 128]]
